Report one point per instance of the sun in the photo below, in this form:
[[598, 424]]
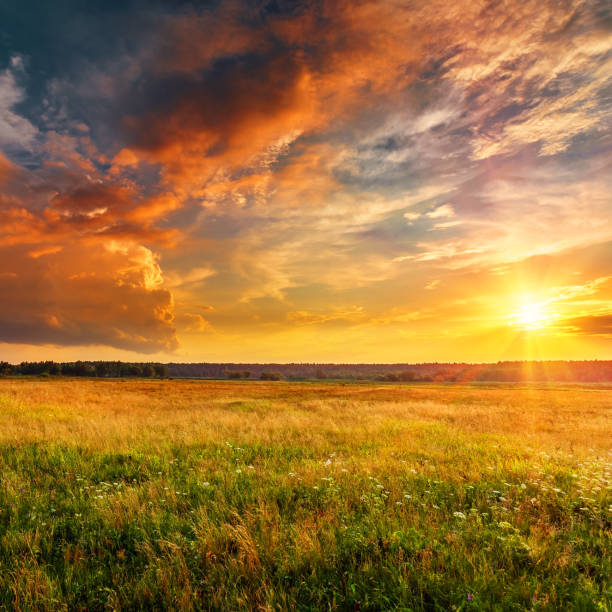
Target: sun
[[531, 315]]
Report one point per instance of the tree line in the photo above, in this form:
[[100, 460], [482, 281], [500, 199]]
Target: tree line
[[99, 369], [503, 371]]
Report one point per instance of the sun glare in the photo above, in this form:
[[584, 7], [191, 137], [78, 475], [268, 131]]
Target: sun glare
[[531, 315]]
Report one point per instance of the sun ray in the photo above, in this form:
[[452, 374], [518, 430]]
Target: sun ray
[[531, 315]]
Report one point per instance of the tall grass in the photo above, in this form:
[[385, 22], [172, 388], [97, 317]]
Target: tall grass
[[272, 496]]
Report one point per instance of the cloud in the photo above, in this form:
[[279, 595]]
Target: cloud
[[595, 289], [50, 250], [56, 204], [15, 130], [86, 294], [339, 316], [446, 210], [7, 170], [539, 77], [411, 216], [192, 323], [231, 116], [445, 225], [232, 89], [74, 271], [461, 253], [188, 277], [592, 325]]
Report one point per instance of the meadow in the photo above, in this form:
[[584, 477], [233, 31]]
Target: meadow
[[208, 495]]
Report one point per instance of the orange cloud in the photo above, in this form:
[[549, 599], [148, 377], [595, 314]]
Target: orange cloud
[[291, 77], [352, 315], [594, 325], [86, 295], [7, 169], [92, 210], [36, 253], [192, 323]]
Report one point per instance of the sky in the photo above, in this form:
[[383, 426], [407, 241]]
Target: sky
[[330, 181]]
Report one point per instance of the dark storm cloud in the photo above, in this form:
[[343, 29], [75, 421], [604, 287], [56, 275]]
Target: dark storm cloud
[[221, 105]]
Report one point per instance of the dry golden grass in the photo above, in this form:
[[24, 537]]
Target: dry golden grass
[[148, 494], [110, 413]]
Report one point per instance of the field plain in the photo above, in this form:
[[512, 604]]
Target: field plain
[[146, 494]]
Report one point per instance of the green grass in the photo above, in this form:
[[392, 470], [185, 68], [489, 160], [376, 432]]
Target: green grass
[[373, 510]]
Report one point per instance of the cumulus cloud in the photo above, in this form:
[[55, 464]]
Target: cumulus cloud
[[74, 271], [85, 294]]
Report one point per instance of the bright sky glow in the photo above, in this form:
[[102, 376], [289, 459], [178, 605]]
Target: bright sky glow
[[317, 181], [532, 315]]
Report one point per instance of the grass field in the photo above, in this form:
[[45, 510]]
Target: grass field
[[270, 496]]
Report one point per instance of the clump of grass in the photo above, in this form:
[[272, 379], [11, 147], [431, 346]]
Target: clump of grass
[[178, 495]]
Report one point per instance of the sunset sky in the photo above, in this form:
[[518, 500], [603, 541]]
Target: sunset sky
[[332, 181]]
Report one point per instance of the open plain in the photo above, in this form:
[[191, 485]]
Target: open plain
[[177, 494]]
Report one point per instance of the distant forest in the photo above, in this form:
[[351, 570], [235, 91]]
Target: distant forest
[[503, 371]]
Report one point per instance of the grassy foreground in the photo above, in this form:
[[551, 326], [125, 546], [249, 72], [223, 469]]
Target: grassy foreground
[[271, 496]]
